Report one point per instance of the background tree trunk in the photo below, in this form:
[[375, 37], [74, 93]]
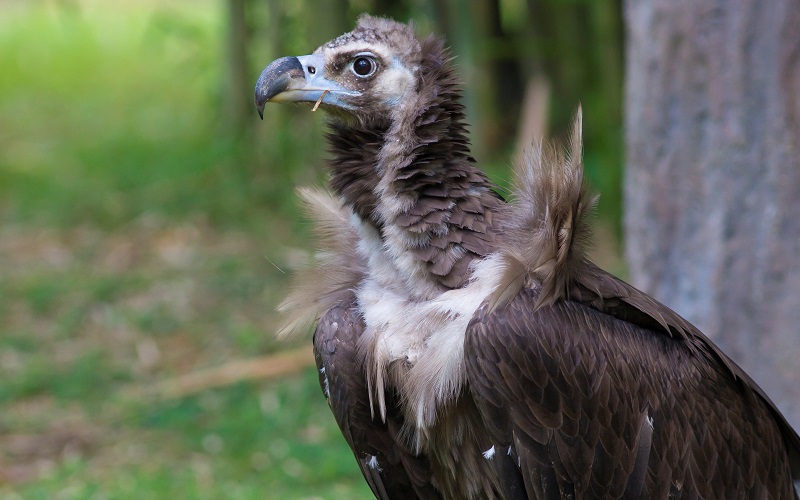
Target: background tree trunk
[[712, 187], [238, 103]]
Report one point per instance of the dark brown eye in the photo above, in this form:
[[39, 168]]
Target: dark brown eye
[[363, 66]]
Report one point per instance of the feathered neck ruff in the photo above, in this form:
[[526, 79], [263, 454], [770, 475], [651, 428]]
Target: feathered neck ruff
[[413, 151], [413, 177]]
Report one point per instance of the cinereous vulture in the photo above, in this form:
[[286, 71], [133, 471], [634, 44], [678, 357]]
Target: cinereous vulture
[[466, 345]]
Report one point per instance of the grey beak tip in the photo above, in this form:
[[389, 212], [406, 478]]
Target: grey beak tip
[[275, 79]]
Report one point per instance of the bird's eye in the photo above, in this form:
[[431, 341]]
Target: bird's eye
[[363, 66]]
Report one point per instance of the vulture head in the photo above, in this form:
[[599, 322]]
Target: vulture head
[[363, 76], [400, 157]]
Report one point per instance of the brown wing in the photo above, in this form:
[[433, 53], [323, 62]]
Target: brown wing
[[390, 468], [607, 293], [594, 406]]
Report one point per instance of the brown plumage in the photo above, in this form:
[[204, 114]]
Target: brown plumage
[[547, 230], [467, 346]]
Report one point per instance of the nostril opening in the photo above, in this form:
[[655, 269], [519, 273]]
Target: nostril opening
[[312, 70]]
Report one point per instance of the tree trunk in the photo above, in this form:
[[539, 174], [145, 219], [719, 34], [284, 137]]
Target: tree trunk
[[238, 102], [712, 187]]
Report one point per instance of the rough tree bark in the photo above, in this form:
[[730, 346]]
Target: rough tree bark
[[712, 187]]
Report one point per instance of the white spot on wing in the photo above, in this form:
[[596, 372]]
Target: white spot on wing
[[489, 454], [327, 388], [650, 421], [372, 463]]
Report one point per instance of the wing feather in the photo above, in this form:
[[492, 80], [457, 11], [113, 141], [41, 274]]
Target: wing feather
[[596, 406], [390, 468]]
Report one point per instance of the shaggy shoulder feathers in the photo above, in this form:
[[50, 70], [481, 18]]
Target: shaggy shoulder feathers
[[546, 231], [546, 225], [335, 270]]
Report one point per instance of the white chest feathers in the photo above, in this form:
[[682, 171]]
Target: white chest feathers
[[414, 342]]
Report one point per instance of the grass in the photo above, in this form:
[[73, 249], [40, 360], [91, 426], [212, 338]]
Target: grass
[[239, 442], [114, 311]]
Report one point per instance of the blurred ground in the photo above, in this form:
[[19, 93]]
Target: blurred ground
[[94, 319]]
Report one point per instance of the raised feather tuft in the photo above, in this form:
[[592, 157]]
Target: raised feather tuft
[[335, 269], [546, 225]]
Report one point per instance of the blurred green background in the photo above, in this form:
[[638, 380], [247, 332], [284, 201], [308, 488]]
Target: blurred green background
[[148, 225]]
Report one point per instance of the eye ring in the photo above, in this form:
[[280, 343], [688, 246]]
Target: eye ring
[[363, 66]]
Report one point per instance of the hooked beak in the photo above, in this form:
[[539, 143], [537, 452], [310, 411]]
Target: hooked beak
[[298, 79]]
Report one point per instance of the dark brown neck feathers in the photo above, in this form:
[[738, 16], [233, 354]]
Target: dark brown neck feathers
[[353, 175], [418, 176]]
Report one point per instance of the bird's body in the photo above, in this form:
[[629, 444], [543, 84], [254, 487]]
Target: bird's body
[[466, 346]]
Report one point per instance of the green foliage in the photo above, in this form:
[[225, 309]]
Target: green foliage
[[129, 220], [114, 115]]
